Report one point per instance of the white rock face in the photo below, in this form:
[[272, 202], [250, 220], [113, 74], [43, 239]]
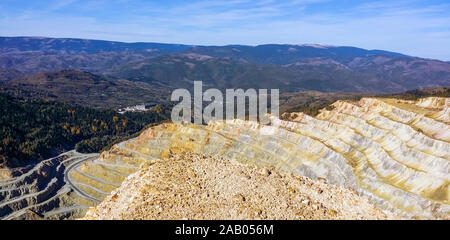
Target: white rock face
[[434, 102]]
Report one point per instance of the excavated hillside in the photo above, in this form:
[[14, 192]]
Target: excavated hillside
[[45, 190], [395, 153]]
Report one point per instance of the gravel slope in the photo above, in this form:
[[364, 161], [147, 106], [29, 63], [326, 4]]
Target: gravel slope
[[187, 185]]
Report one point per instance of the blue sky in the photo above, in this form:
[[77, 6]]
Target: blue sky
[[418, 28]]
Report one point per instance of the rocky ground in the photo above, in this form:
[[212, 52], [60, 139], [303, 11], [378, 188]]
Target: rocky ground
[[188, 185]]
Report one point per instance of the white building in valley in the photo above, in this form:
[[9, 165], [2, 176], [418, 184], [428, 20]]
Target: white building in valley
[[137, 108]]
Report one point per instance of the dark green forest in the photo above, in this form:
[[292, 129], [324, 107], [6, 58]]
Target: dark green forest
[[421, 93], [33, 130], [313, 105]]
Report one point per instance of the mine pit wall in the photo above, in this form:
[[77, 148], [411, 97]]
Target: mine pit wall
[[43, 195], [204, 140], [41, 192], [433, 102], [403, 143], [345, 153], [341, 146], [35, 187]]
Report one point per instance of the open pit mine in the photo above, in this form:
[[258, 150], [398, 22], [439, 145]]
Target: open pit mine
[[375, 158]]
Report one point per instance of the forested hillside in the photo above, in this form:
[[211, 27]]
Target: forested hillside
[[310, 102], [33, 130], [85, 89]]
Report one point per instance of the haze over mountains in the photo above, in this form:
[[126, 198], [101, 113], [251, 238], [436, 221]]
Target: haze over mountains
[[291, 68]]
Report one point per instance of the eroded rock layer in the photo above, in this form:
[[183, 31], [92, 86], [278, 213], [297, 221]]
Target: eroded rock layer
[[395, 153], [44, 191]]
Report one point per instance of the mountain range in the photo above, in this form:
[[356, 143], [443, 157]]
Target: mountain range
[[160, 68]]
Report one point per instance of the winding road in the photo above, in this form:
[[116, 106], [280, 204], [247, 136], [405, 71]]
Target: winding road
[[25, 194], [69, 181]]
